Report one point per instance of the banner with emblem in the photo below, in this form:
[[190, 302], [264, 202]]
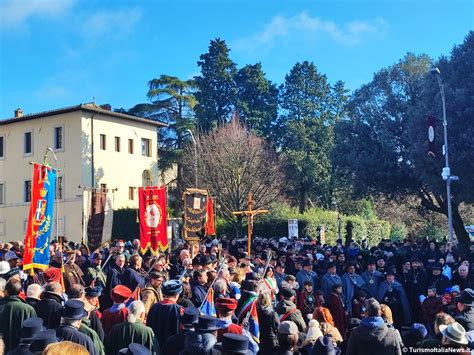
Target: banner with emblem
[[195, 212], [153, 218], [40, 218]]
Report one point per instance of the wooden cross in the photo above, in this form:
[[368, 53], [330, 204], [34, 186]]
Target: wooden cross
[[250, 213]]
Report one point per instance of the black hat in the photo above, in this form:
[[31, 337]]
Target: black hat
[[135, 349], [252, 276], [436, 266], [97, 256], [9, 274], [287, 293], [205, 260], [189, 317], [371, 260], [93, 291], [466, 297], [43, 339], [353, 323], [330, 265], [307, 262], [30, 327], [349, 264], [308, 283], [196, 260], [206, 324], [233, 344], [73, 309], [336, 285], [324, 345], [390, 272]]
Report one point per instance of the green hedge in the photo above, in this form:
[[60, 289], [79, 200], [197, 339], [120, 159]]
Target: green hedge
[[275, 224]]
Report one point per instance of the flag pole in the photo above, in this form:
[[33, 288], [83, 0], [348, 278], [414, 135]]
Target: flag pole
[[212, 284]]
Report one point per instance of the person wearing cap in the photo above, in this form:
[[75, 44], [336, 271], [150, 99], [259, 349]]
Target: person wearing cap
[[131, 331], [373, 336], [12, 259], [163, 316], [280, 273], [94, 272], [203, 338], [338, 305], [287, 338], [287, 310], [118, 312], [90, 324], [437, 279], [307, 300], [14, 311], [454, 337], [225, 308], [232, 344], [134, 349], [187, 322], [416, 286], [393, 295], [307, 274], [51, 304], [29, 328], [330, 279], [151, 293], [351, 282], [71, 318], [41, 340], [73, 274], [372, 277], [465, 306]]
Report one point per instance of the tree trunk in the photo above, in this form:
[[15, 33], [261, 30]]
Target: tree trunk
[[302, 206], [461, 233]]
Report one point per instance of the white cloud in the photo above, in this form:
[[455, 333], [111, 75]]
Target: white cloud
[[111, 23], [17, 12], [312, 28]]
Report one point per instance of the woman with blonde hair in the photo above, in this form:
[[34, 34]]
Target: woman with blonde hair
[[65, 347], [388, 319], [268, 323], [326, 323]]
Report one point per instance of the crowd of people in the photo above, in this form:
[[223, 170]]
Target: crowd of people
[[289, 296]]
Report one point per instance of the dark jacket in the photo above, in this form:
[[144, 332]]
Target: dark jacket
[[285, 307], [199, 294], [67, 332], [268, 323], [466, 319], [49, 308], [126, 333], [163, 319], [132, 279], [175, 344], [198, 343], [373, 336]]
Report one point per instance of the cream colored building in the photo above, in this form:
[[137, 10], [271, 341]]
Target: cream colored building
[[95, 147]]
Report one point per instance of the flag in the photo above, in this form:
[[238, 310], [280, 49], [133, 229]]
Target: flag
[[210, 221], [431, 121], [108, 217], [208, 306], [254, 327], [86, 211], [153, 218], [195, 212], [96, 219], [40, 218]]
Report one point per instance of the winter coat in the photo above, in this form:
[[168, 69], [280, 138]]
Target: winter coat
[[49, 308], [284, 307], [14, 312], [373, 336], [466, 319], [199, 343], [67, 332], [268, 322], [123, 334], [150, 295]]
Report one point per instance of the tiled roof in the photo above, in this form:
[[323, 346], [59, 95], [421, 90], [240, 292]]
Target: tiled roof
[[82, 107]]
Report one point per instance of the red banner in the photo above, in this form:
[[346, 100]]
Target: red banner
[[153, 218], [210, 221]]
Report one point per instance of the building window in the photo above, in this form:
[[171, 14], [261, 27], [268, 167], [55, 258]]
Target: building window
[[102, 142], [103, 187], [146, 147], [2, 147], [146, 178], [2, 194], [59, 188], [130, 146], [117, 144], [131, 193], [58, 138], [27, 191], [28, 143]]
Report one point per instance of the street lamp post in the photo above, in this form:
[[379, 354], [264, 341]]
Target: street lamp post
[[446, 174], [195, 159]]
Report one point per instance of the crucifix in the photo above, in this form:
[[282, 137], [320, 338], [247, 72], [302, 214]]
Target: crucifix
[[250, 213]]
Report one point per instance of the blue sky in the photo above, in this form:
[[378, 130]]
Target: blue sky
[[57, 53]]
